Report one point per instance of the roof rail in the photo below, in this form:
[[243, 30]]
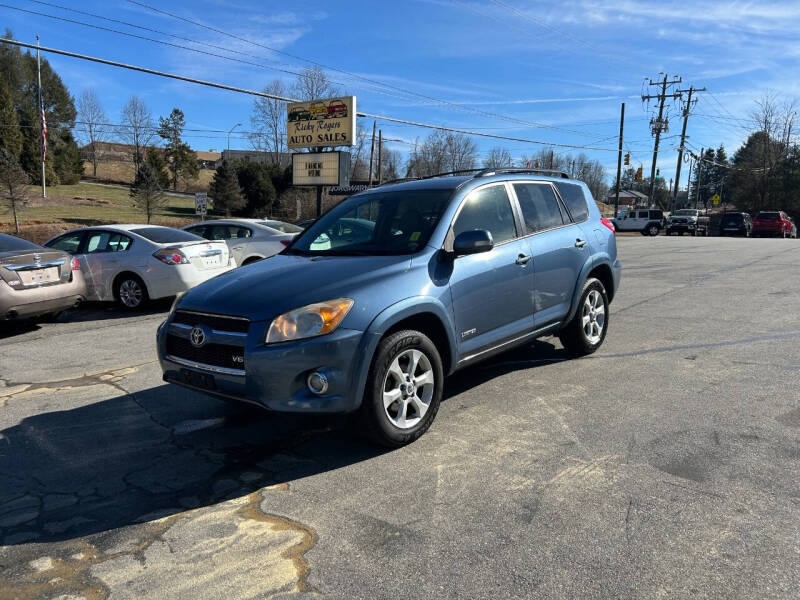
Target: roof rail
[[452, 173], [489, 172]]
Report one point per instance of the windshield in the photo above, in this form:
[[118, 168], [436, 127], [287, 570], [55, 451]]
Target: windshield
[[167, 235], [687, 212], [9, 243], [375, 224], [733, 218], [769, 216], [282, 227]]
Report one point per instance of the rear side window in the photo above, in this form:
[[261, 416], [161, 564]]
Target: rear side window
[[540, 209], [575, 200], [656, 214], [198, 230], [68, 243], [282, 227], [487, 208], [166, 235]]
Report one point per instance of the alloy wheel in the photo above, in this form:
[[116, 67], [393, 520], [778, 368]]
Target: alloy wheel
[[593, 317], [408, 388], [130, 293]]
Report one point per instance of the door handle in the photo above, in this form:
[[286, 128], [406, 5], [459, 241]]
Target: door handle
[[523, 259], [579, 243]]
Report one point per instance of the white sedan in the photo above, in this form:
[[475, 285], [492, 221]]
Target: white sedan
[[249, 240], [134, 263]]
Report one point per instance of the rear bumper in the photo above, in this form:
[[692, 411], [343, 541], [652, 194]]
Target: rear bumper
[[274, 377], [37, 301], [169, 280]]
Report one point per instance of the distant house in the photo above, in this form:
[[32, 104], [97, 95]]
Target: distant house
[[207, 160], [284, 158], [628, 198]]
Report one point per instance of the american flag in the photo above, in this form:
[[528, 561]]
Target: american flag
[[44, 132]]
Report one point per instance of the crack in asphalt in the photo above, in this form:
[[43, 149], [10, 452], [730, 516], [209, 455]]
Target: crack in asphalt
[[110, 377], [308, 537]]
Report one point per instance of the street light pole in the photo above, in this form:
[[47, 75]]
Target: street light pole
[[229, 134]]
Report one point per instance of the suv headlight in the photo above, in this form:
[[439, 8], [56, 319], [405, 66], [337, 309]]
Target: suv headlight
[[309, 321]]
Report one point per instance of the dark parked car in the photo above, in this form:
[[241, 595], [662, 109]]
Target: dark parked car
[[370, 318], [736, 224], [775, 223], [36, 281]]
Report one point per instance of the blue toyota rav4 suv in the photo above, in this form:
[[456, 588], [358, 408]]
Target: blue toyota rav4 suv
[[372, 306]]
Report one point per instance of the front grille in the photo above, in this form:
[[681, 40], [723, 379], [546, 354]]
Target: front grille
[[218, 355], [218, 322]]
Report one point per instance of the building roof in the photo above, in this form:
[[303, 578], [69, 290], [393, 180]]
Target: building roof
[[210, 156]]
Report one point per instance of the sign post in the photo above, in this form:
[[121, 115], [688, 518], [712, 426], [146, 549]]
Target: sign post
[[319, 124], [201, 205]]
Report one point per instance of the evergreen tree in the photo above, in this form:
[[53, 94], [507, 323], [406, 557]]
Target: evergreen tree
[[18, 71], [225, 190], [10, 134], [146, 191], [257, 188], [155, 158], [180, 158]]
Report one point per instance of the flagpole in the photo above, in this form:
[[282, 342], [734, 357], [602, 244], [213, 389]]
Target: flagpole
[[41, 116]]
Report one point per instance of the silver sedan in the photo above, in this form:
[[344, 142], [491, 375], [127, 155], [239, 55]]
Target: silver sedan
[[249, 240]]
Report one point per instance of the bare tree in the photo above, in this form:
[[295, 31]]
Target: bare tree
[[138, 128], [13, 184], [92, 123], [498, 158], [312, 84], [774, 120], [390, 164], [268, 121], [359, 155]]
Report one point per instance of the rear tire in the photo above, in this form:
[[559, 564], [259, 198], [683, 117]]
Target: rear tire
[[130, 292], [585, 333], [403, 390]]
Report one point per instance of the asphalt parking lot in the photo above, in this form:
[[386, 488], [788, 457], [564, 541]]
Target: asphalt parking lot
[[665, 465]]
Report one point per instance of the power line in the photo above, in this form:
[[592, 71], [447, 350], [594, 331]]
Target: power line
[[231, 88], [407, 92]]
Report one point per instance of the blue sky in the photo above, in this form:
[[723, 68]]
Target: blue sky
[[548, 71]]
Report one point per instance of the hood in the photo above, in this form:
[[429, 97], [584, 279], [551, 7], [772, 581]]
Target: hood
[[265, 289]]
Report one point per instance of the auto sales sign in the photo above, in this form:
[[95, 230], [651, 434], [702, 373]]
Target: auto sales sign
[[330, 122]]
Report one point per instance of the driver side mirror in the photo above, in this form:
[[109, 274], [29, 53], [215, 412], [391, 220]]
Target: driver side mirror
[[472, 242]]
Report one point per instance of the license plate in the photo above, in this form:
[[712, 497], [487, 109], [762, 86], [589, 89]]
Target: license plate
[[212, 261], [201, 380], [36, 276]]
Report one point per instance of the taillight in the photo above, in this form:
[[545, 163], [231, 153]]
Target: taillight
[[285, 243], [610, 224], [75, 265], [171, 256]]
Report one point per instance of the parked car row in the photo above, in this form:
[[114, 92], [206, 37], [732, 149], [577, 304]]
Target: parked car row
[[696, 222], [129, 264]]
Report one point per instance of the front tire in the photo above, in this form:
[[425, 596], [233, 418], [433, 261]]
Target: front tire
[[130, 292], [585, 333], [404, 389]]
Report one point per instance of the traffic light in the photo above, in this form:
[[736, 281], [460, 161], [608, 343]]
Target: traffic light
[[627, 158], [658, 172], [639, 175]]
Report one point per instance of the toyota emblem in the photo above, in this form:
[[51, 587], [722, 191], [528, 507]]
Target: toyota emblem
[[197, 337]]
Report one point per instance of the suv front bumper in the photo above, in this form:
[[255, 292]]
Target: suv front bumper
[[274, 376]]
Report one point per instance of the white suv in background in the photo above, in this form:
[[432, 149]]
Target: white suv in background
[[646, 221], [249, 240]]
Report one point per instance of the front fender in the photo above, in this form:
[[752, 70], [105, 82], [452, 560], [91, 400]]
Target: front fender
[[390, 316]]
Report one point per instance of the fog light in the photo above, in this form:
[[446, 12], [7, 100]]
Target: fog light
[[317, 383]]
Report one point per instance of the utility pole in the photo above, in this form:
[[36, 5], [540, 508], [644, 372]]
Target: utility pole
[[689, 182], [699, 176], [659, 124], [619, 159], [380, 156], [371, 154], [43, 121], [686, 108]]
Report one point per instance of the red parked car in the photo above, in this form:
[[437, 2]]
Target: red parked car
[[773, 223]]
